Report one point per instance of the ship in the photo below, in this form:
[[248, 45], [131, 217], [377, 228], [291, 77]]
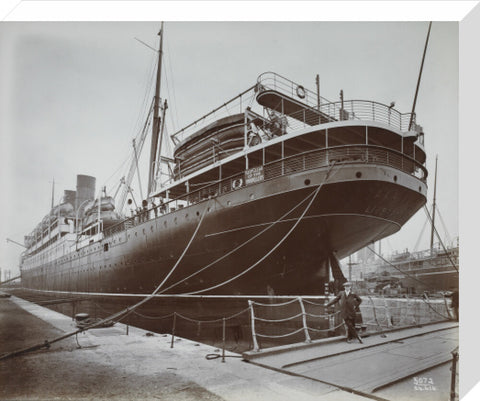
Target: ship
[[430, 271], [261, 196], [433, 271]]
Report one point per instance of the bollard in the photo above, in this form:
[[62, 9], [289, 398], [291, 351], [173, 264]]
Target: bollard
[[173, 328], [223, 350]]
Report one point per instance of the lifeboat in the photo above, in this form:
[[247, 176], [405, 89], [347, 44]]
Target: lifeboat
[[107, 212], [212, 143]]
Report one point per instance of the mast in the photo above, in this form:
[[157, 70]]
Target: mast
[[434, 205], [419, 78], [53, 191], [159, 153], [156, 118]]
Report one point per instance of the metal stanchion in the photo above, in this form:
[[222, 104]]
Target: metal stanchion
[[128, 319], [223, 350], [74, 304], [173, 328], [453, 383], [254, 337], [304, 320]]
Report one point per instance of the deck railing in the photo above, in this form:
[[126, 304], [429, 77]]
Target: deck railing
[[274, 81], [332, 111], [351, 154]]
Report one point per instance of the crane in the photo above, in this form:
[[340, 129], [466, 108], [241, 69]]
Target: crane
[[138, 143]]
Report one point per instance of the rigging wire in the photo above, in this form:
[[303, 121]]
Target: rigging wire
[[147, 91], [440, 240], [400, 270], [122, 165], [449, 240], [174, 97], [415, 249], [148, 86]]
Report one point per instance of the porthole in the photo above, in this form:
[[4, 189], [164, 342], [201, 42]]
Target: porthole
[[419, 189], [209, 209], [198, 213], [395, 178], [358, 174], [307, 181]]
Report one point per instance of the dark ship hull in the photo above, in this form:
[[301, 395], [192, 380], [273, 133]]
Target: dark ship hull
[[346, 214]]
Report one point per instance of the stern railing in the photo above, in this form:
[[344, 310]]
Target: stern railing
[[332, 111]]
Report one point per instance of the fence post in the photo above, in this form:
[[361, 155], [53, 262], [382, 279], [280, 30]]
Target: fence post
[[387, 313], [128, 319], [223, 350], [331, 318], [453, 384], [252, 316], [304, 320], [173, 328], [446, 307]]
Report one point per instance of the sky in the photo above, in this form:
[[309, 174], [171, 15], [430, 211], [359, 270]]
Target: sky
[[75, 96], [72, 94]]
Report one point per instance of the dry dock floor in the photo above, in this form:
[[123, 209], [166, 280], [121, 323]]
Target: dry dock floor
[[408, 364], [108, 364]]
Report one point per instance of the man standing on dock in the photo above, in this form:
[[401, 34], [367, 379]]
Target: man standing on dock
[[349, 303]]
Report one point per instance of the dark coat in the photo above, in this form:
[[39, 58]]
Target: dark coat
[[348, 304]]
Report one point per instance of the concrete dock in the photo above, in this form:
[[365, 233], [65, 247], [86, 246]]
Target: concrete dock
[[113, 365], [120, 364]]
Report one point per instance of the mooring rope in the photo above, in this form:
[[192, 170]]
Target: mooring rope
[[236, 248], [261, 319], [439, 239], [314, 195], [153, 317], [116, 316], [277, 304], [281, 335]]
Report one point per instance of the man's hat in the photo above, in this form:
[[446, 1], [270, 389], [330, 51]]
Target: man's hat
[[347, 284]]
